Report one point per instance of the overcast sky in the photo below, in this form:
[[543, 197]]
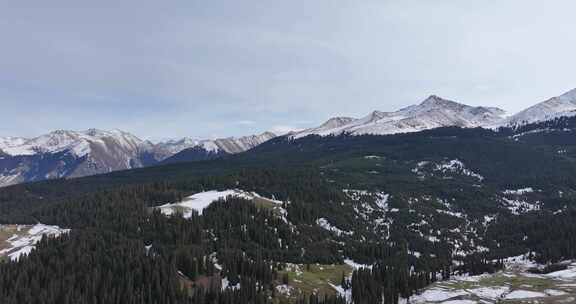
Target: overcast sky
[[217, 68]]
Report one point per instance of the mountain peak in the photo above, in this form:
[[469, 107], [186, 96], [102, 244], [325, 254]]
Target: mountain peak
[[335, 122], [563, 105], [435, 100], [433, 112], [375, 116]]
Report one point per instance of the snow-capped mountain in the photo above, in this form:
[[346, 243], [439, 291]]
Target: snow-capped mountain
[[563, 105], [433, 112], [80, 143], [234, 145], [188, 149], [64, 153], [327, 128], [229, 145], [78, 153]]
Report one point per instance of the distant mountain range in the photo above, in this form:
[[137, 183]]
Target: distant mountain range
[[435, 112], [64, 153]]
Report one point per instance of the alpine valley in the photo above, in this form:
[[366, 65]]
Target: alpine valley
[[438, 202]]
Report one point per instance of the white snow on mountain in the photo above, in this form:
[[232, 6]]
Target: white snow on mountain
[[331, 126], [65, 153], [10, 142], [563, 105], [241, 144], [95, 151], [434, 112], [81, 143], [229, 145], [78, 142], [174, 146]]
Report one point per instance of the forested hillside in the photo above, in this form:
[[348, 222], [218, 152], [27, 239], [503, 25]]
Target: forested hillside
[[416, 207]]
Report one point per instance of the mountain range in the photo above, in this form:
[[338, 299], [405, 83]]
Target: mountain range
[[435, 112], [63, 153]]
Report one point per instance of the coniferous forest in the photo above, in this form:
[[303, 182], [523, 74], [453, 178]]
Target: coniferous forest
[[394, 212]]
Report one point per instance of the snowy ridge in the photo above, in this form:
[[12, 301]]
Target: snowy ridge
[[433, 112], [241, 144], [176, 145], [78, 142], [81, 143], [436, 112], [563, 105], [65, 153], [230, 145]]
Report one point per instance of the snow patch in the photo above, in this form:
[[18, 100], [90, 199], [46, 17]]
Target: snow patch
[[355, 265], [200, 201], [322, 222], [517, 207], [519, 191], [524, 294], [23, 243], [284, 289], [454, 166], [226, 284]]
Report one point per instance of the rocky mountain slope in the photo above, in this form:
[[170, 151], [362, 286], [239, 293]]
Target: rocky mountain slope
[[563, 105], [230, 145], [65, 153], [189, 149]]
